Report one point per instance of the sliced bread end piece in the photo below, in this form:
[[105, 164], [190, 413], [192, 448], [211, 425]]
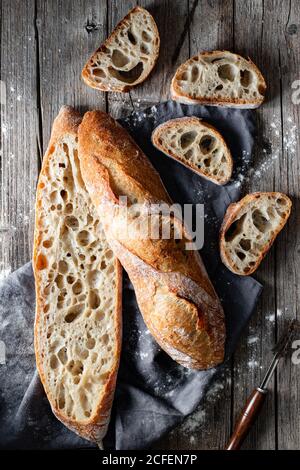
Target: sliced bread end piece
[[219, 78], [249, 228], [197, 145], [78, 291], [127, 57]]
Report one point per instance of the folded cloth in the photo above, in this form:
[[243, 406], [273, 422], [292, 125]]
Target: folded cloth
[[153, 393]]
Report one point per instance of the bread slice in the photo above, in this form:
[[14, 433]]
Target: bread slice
[[78, 291], [219, 78], [196, 144], [250, 227], [127, 57]]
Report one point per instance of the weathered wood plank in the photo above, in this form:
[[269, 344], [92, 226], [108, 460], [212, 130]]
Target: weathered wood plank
[[211, 27], [256, 35], [287, 247], [19, 134], [68, 34], [265, 34]]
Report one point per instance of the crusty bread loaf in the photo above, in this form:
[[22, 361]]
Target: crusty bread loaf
[[127, 57], [250, 227], [219, 78], [175, 296], [78, 291], [196, 144]]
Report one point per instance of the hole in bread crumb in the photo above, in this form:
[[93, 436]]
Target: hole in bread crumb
[[119, 59], [59, 281], [187, 139], [62, 355], [64, 194], [41, 262], [245, 243], [207, 162], [146, 36], [69, 208], [75, 367], [129, 76], [93, 278], [94, 300], [63, 267], [235, 229], [245, 78], [71, 222], [99, 315], [74, 312], [47, 243], [83, 238], [61, 398], [53, 362], [77, 287], [99, 72], [227, 72], [105, 338], [90, 344], [260, 221], [241, 255], [194, 74], [103, 264], [70, 279], [206, 144], [131, 37], [281, 201]]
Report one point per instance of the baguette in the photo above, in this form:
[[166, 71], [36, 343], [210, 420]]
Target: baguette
[[127, 57], [175, 296], [78, 291], [219, 78], [249, 229], [196, 144]]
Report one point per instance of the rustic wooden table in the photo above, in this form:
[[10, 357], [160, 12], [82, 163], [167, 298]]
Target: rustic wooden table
[[44, 45]]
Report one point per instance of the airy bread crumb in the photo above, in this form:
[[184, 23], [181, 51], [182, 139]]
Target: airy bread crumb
[[197, 145], [127, 57], [250, 227]]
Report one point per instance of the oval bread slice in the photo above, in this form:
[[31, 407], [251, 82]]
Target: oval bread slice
[[78, 291], [196, 144], [219, 78], [127, 57], [250, 227]]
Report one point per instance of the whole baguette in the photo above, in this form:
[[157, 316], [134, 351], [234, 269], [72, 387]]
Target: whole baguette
[[176, 298], [77, 364]]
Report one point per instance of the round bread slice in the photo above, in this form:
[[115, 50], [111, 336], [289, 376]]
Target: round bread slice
[[250, 227], [197, 145], [219, 78], [127, 57], [78, 291]]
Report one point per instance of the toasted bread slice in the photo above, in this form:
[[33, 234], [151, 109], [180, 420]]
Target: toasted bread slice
[[196, 144], [250, 227], [127, 57], [78, 291], [219, 78]]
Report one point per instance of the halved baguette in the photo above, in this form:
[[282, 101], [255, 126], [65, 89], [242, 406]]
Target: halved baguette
[[196, 144], [127, 57], [175, 296], [78, 291], [249, 228], [219, 78]]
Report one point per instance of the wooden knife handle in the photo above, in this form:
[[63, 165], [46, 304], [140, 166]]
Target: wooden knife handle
[[247, 418]]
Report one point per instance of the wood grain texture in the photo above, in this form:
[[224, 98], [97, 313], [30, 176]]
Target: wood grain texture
[[255, 39], [43, 49], [287, 252], [20, 134]]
